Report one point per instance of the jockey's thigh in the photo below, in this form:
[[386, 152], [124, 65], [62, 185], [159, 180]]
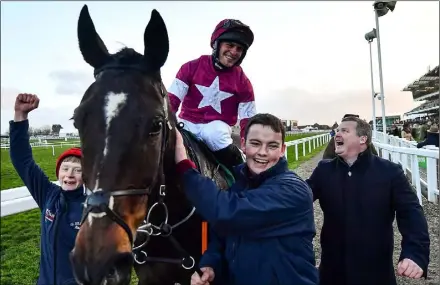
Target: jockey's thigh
[[216, 135], [191, 127]]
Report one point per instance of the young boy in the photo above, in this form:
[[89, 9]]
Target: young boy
[[263, 226], [61, 206]]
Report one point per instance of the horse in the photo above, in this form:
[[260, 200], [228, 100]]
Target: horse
[[136, 214]]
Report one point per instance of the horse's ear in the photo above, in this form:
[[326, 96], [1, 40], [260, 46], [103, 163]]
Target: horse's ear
[[156, 45], [91, 46]]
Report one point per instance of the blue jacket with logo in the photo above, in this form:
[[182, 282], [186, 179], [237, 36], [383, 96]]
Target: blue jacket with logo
[[60, 210], [261, 228]]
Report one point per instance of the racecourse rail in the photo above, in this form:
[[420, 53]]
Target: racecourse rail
[[421, 165], [17, 200]]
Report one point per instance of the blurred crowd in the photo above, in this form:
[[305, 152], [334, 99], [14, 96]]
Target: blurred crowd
[[423, 130]]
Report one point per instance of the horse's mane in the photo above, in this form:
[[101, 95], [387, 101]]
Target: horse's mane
[[127, 56]]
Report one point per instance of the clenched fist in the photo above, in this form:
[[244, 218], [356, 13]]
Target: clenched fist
[[409, 268], [24, 103]]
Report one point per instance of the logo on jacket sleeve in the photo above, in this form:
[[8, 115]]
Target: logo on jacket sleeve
[[75, 225], [49, 215]]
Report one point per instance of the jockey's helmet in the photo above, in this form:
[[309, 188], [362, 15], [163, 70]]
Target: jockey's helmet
[[233, 31]]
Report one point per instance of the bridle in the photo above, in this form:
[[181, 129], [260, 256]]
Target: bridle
[[98, 201], [164, 230]]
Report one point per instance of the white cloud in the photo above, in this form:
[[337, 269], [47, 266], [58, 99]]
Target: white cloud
[[325, 108], [53, 109], [8, 97], [309, 61], [71, 82]]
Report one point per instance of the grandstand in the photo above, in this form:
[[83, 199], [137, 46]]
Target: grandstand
[[426, 89], [290, 125]]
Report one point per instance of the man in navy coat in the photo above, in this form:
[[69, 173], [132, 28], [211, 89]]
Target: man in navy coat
[[360, 195]]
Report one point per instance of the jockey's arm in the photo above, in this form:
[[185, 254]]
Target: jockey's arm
[[246, 104], [180, 85]]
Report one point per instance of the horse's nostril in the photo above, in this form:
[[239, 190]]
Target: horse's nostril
[[112, 273], [121, 269]]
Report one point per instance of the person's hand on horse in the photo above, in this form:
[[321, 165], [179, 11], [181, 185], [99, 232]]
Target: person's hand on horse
[[409, 268], [208, 276], [25, 103], [180, 151]]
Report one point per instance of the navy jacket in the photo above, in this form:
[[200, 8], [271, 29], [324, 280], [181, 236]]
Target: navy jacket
[[360, 203], [60, 210], [262, 227], [431, 139]]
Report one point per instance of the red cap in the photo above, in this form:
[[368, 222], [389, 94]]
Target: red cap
[[74, 151]]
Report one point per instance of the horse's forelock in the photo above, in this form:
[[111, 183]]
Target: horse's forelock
[[112, 121], [127, 56]]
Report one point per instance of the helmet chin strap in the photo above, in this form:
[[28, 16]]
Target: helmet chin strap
[[215, 57], [218, 65]]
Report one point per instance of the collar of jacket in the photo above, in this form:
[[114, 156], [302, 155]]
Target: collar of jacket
[[362, 162], [242, 172], [78, 193]]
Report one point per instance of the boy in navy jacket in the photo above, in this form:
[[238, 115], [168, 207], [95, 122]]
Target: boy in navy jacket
[[61, 206], [263, 226]]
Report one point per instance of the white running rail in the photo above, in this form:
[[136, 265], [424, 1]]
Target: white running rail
[[421, 164], [17, 200]]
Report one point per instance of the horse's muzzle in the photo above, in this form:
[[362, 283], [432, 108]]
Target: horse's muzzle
[[115, 271]]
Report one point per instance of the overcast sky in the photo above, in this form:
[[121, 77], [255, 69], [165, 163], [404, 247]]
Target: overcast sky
[[309, 61]]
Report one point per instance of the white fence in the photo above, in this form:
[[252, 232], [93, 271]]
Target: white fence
[[17, 200], [46, 145], [422, 164], [313, 142]]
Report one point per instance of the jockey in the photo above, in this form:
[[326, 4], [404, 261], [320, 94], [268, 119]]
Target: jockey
[[214, 91]]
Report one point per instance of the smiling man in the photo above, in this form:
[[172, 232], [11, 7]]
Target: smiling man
[[263, 226], [214, 91], [330, 153], [360, 195]]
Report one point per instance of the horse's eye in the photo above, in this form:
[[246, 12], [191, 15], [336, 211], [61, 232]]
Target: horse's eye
[[156, 128]]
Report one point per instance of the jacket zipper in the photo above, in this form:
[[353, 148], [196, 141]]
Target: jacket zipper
[[55, 242]]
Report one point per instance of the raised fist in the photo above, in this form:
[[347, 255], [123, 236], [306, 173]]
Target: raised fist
[[24, 103]]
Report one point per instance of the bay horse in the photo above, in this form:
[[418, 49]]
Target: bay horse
[[136, 214]]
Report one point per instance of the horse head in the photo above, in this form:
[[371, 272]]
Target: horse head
[[125, 127]]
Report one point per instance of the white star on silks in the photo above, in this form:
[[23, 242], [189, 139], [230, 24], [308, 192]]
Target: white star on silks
[[212, 95]]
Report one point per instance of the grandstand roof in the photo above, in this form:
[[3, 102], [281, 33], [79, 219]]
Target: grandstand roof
[[426, 87], [430, 107]]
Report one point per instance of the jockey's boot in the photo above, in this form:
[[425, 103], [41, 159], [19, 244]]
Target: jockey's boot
[[229, 156]]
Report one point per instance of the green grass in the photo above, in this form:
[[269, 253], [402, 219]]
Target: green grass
[[20, 233], [293, 164], [20, 249]]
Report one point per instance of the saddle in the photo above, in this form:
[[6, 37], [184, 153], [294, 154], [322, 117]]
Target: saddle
[[194, 146]]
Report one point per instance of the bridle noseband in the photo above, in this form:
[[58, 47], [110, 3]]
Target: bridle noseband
[[98, 202]]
